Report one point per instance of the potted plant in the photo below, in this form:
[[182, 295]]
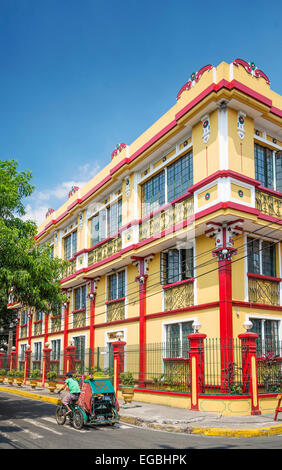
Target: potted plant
[[19, 377], [127, 386], [11, 375], [51, 377], [2, 375], [34, 376]]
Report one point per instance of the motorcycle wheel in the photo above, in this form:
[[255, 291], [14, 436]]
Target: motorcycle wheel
[[60, 415], [78, 420]]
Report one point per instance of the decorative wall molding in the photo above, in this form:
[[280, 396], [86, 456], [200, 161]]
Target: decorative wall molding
[[73, 190], [194, 78], [251, 68]]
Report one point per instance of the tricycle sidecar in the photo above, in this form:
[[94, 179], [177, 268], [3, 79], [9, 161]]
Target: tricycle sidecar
[[98, 402]]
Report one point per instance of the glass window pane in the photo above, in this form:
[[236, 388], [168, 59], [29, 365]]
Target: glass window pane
[[180, 177], [153, 194], [253, 255], [278, 171], [268, 259], [95, 230], [264, 166]]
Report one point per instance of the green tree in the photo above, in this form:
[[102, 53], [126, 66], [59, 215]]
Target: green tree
[[26, 269]]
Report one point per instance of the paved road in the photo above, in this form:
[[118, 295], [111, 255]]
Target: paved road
[[31, 424]]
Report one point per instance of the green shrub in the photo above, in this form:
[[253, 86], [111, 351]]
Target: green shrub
[[19, 373], [51, 375], [2, 371], [35, 373], [11, 373], [126, 378]]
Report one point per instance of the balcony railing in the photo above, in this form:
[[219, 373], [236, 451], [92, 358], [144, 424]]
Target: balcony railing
[[179, 295], [79, 319], [269, 204], [263, 291], [166, 219], [104, 250], [38, 328], [70, 269], [115, 310], [56, 324]]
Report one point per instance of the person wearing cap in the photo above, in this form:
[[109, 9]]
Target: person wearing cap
[[74, 391]]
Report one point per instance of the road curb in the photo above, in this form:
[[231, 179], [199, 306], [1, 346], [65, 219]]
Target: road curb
[[184, 429]]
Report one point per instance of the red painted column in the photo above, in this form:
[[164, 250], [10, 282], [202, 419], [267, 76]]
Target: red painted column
[[46, 327], [70, 356], [30, 316], [197, 371], [17, 332], [142, 279], [249, 368], [66, 329], [2, 358], [13, 363], [27, 364], [118, 362], [46, 364]]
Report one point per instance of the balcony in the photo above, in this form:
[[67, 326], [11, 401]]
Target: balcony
[[116, 309], [179, 295], [79, 318], [263, 289], [269, 204], [37, 327], [56, 324], [70, 269], [23, 331], [104, 250], [167, 219]]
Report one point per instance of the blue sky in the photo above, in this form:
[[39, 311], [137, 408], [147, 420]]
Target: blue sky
[[79, 76]]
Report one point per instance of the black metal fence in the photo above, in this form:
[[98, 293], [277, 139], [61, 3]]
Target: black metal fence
[[166, 366]]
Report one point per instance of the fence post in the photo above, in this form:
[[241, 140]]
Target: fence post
[[196, 367], [46, 363], [249, 366], [2, 359], [70, 358], [13, 362], [118, 362], [27, 364]]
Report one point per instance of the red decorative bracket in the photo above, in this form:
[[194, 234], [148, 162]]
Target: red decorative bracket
[[118, 149], [194, 78], [49, 212], [252, 69]]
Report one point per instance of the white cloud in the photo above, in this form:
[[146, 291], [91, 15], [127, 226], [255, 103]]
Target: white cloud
[[37, 207]]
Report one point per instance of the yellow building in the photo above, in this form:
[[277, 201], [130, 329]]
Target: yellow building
[[182, 226]]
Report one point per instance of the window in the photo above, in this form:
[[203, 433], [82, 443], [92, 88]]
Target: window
[[24, 317], [177, 343], [268, 332], [106, 223], [39, 316], [37, 352], [114, 218], [56, 349], [268, 167], [177, 177], [79, 342], [261, 257], [116, 285], [22, 352], [176, 265], [80, 298], [70, 245], [153, 193]]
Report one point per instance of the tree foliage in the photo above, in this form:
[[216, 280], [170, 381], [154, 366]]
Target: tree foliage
[[26, 269]]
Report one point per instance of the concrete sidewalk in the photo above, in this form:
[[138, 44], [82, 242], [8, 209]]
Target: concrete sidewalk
[[170, 419]]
